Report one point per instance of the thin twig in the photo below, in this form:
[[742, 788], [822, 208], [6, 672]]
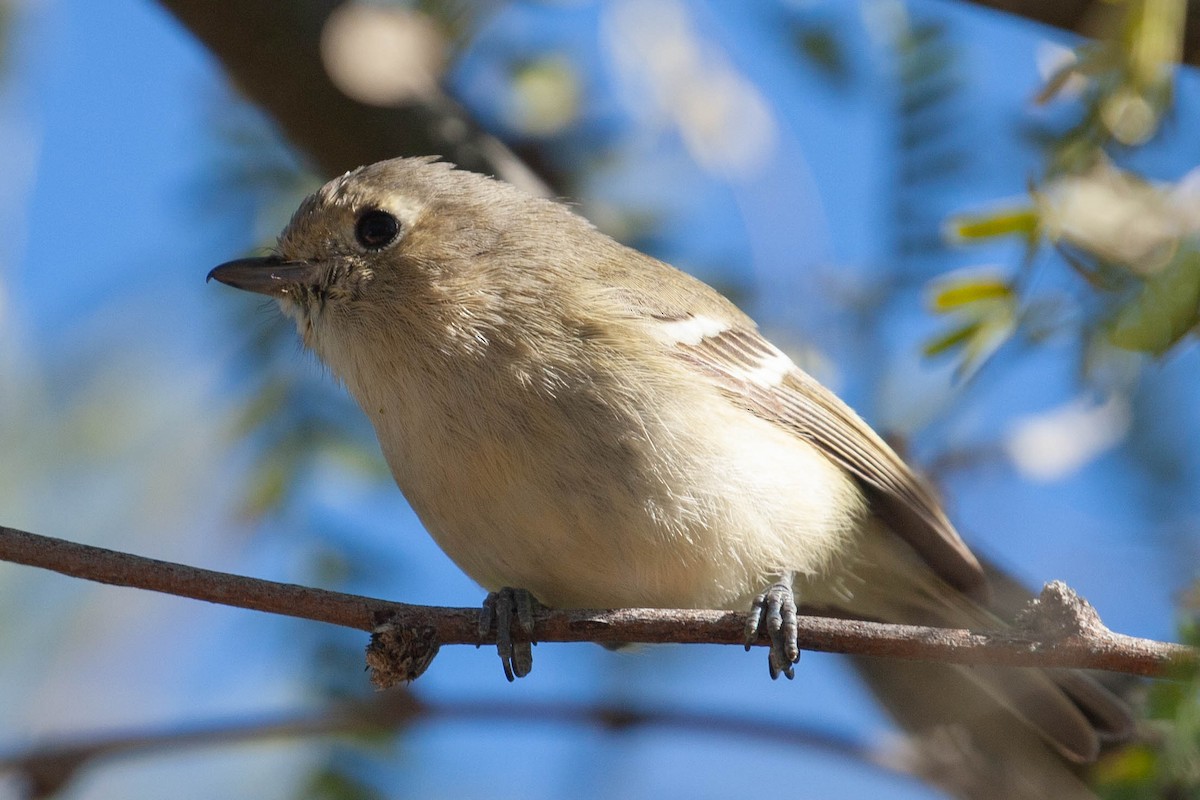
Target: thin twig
[[1079, 642], [49, 766]]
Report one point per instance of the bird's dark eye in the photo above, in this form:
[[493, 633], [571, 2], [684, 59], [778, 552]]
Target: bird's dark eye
[[376, 229]]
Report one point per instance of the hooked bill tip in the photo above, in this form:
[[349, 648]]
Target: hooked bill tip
[[270, 275]]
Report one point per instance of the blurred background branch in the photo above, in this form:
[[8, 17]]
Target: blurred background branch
[[1084, 18], [48, 768], [279, 54]]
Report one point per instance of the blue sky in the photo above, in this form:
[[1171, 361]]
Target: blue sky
[[110, 115]]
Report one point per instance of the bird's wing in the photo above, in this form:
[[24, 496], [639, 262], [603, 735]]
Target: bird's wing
[[756, 375]]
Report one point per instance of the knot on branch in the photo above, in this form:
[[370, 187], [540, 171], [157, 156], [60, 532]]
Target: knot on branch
[[400, 653], [1060, 613]]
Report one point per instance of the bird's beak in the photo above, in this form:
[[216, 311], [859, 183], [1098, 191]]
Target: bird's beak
[[271, 275]]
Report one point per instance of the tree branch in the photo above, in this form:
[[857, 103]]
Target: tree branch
[[48, 766], [1058, 630], [1081, 17], [271, 50]]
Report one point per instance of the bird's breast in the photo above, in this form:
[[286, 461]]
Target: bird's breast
[[594, 495]]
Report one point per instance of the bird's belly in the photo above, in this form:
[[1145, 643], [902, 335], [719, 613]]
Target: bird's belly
[[668, 512], [589, 547]]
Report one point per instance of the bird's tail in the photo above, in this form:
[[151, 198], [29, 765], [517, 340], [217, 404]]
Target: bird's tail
[[980, 732]]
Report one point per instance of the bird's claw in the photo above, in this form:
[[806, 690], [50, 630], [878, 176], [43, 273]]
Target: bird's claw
[[500, 608], [774, 612]]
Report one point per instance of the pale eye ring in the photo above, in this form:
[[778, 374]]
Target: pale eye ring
[[376, 229]]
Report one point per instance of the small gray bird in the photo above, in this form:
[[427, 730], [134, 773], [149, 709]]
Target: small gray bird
[[586, 424]]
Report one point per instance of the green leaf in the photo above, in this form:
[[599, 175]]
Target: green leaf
[[984, 308], [955, 292], [1164, 310], [1022, 221], [995, 330], [953, 338]]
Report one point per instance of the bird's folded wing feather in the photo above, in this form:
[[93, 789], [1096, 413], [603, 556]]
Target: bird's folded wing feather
[[755, 374]]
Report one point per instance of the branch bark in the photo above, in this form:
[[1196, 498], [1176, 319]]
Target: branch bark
[[271, 51], [1082, 16], [1060, 630]]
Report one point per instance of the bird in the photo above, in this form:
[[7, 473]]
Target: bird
[[580, 425]]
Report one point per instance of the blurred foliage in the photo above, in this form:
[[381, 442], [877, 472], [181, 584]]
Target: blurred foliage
[[1165, 763], [1133, 247], [1127, 75], [337, 784], [459, 20], [933, 154], [819, 44], [546, 95], [1164, 308], [1134, 243], [821, 47], [930, 154], [985, 310]]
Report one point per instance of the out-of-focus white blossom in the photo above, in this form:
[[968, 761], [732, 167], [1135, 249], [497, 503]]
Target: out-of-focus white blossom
[[382, 55], [1120, 217], [1056, 443]]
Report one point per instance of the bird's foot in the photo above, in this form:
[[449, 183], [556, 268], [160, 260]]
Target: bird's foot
[[500, 608], [774, 613]]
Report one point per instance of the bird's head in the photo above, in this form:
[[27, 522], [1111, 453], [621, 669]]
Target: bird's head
[[409, 248]]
